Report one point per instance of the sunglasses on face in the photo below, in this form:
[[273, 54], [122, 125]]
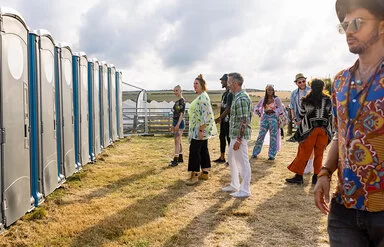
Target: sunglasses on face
[[351, 26], [300, 82]]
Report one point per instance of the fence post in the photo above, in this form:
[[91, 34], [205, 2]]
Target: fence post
[[289, 131]]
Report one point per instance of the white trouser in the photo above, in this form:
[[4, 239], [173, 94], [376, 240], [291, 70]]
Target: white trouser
[[239, 165]]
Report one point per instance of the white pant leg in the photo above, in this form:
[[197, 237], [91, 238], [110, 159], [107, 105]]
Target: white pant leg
[[235, 182], [244, 167]]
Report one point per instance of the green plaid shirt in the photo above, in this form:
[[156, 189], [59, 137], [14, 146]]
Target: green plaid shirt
[[241, 108]]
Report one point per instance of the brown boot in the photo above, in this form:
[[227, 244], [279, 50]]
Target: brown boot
[[193, 179], [204, 175]]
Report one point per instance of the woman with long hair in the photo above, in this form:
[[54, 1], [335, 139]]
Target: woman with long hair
[[201, 128], [314, 132], [268, 109], [178, 125]]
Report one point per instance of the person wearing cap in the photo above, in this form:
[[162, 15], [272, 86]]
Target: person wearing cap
[[296, 95], [356, 211], [223, 119]]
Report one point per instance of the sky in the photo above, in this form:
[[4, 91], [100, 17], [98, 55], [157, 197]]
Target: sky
[[158, 44]]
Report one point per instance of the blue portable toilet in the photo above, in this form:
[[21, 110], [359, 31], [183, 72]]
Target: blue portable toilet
[[112, 102], [104, 109], [15, 170], [45, 171], [119, 105], [64, 110], [94, 108], [80, 100]]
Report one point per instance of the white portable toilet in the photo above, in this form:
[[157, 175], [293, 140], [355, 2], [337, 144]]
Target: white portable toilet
[[15, 171], [104, 117], [112, 102], [119, 108], [65, 110], [80, 77], [94, 107], [45, 171]]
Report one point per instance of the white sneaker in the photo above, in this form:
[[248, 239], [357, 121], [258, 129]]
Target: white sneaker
[[240, 194], [229, 188]]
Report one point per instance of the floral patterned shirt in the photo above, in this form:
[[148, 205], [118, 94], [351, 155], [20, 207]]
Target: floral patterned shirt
[[360, 124], [200, 113], [241, 109]]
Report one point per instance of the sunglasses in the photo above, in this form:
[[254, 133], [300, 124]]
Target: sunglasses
[[300, 82], [351, 26]]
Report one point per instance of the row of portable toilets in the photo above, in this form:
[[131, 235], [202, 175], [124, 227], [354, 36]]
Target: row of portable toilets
[[58, 110]]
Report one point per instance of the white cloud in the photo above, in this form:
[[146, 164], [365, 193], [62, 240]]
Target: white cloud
[[161, 43]]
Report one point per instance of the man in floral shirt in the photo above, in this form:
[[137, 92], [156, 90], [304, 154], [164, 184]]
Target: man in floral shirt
[[356, 213]]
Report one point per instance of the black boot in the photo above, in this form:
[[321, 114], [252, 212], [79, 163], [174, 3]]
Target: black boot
[[314, 179], [297, 179], [173, 162], [180, 159]]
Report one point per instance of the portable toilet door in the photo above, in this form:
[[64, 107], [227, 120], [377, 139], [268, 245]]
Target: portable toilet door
[[104, 121], [45, 178], [76, 108], [84, 119], [112, 101], [14, 118], [119, 100], [65, 88], [94, 106]]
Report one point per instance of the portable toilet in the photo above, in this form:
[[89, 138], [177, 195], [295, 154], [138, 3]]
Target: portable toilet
[[119, 105], [112, 102], [64, 110], [14, 118], [94, 108], [45, 171], [80, 99], [104, 117]]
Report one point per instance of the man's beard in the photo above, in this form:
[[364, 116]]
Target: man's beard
[[363, 46]]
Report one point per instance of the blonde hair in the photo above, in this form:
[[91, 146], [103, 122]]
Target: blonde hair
[[178, 87], [202, 82]]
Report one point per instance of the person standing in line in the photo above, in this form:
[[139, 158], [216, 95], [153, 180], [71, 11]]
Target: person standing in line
[[296, 95], [201, 127], [268, 109], [223, 119], [178, 125], [356, 211], [240, 133], [314, 131]]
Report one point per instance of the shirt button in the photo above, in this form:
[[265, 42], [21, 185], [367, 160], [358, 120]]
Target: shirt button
[[354, 100], [352, 82]]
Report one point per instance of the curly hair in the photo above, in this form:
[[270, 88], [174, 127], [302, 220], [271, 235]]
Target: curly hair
[[315, 96]]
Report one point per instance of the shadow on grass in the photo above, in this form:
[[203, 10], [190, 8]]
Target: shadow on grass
[[191, 235], [140, 213], [115, 186], [285, 219]]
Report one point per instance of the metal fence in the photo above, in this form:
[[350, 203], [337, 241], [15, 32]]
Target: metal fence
[[148, 120]]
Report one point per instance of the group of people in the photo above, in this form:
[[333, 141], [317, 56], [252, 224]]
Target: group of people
[[356, 211]]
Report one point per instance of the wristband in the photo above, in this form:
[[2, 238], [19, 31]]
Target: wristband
[[325, 171]]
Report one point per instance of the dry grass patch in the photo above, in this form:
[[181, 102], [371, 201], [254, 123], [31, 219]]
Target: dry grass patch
[[130, 197]]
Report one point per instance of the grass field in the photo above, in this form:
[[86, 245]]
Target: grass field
[[130, 197]]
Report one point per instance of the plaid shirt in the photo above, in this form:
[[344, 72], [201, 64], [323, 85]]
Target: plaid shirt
[[241, 108]]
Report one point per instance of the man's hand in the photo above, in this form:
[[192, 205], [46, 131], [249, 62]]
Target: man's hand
[[321, 194], [217, 120]]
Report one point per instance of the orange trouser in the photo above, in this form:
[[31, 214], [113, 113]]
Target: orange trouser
[[316, 141]]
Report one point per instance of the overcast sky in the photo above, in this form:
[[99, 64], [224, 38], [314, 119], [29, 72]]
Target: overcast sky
[[158, 44]]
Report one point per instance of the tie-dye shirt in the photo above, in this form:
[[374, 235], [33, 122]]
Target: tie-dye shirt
[[360, 124], [200, 113]]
